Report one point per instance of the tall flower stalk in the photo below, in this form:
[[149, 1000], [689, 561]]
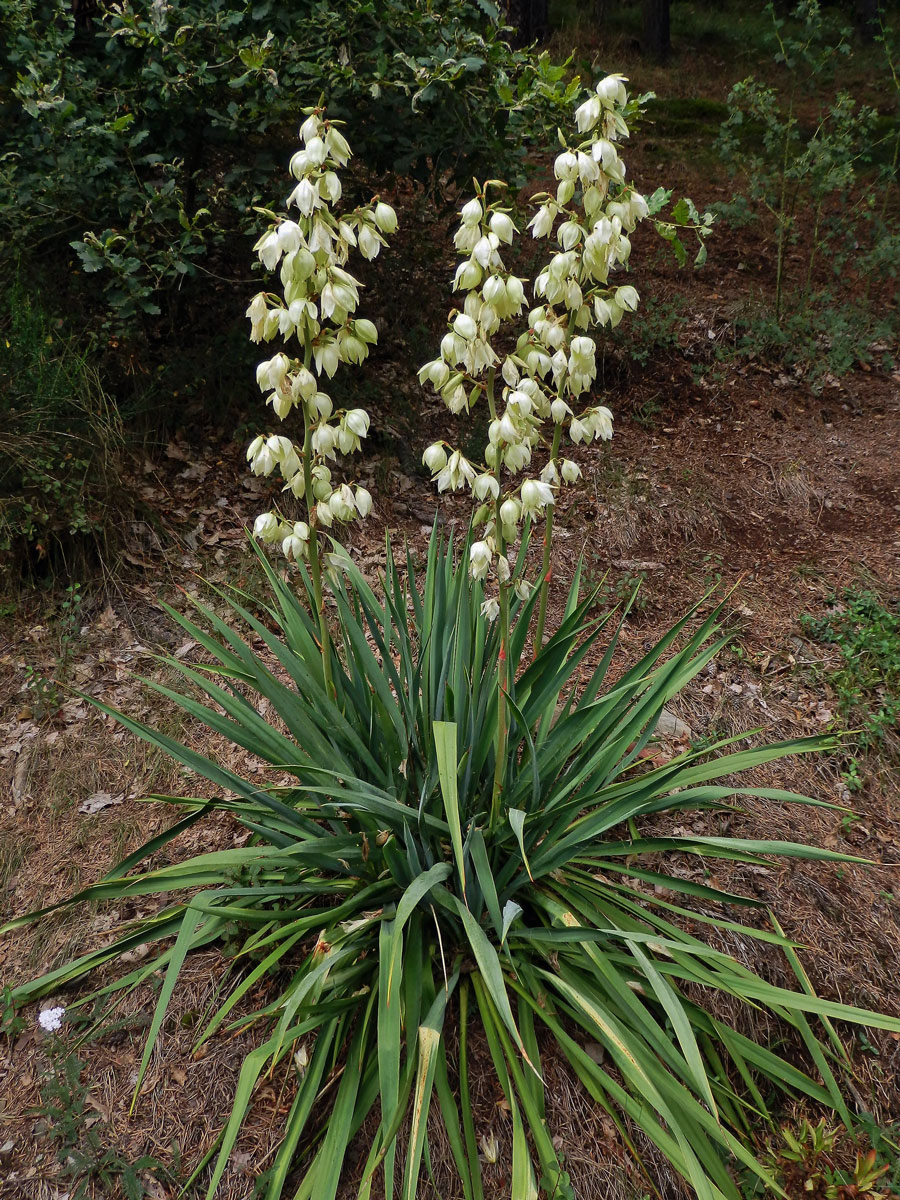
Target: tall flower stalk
[[553, 365], [316, 309]]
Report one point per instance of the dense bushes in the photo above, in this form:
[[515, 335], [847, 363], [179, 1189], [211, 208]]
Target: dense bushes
[[143, 136], [60, 445]]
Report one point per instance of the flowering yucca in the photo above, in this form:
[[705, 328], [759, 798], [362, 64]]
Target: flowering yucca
[[553, 365], [443, 838], [316, 310]]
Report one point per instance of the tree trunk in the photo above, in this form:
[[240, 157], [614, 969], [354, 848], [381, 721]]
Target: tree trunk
[[657, 43]]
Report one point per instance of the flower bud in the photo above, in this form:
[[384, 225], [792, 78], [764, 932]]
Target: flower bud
[[486, 486], [352, 350], [342, 504], [322, 489], [502, 226], [323, 439], [468, 276], [601, 421], [515, 293], [508, 431], [565, 192], [310, 128], [363, 501], [510, 512], [281, 404], [536, 495], [490, 610], [611, 90], [315, 151], [435, 458], [588, 114], [385, 217], [566, 166], [324, 514], [569, 234], [321, 406], [336, 145], [510, 372], [303, 384], [495, 290], [369, 243], [542, 221], [330, 185], [347, 441]]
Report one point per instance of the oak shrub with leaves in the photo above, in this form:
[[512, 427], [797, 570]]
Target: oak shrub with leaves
[[452, 834]]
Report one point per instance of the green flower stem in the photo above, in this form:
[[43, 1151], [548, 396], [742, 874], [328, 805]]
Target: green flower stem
[[315, 562], [489, 392], [545, 563], [504, 680], [504, 666]]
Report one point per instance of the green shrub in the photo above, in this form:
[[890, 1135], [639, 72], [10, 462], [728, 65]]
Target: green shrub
[[813, 184], [144, 137], [61, 446], [866, 630]]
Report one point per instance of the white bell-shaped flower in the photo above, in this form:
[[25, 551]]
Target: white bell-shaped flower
[[480, 558]]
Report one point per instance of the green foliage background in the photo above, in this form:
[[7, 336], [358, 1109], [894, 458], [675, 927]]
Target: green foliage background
[[142, 136]]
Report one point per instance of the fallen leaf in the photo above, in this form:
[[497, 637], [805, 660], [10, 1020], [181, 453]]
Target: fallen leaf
[[99, 801]]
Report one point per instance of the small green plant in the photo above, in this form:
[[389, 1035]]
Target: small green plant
[[625, 591], [68, 628], [46, 692], [11, 1020], [865, 628], [824, 1162], [802, 178], [85, 1161]]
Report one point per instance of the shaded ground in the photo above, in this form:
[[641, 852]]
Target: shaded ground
[[720, 472]]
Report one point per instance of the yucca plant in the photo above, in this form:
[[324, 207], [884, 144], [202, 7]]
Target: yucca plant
[[379, 901], [452, 831]]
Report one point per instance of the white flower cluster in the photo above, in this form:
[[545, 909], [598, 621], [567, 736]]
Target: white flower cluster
[[51, 1019], [554, 362], [317, 308]]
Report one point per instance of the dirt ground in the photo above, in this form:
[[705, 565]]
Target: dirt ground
[[721, 471]]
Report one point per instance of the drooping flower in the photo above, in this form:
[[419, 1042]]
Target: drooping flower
[[480, 558]]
